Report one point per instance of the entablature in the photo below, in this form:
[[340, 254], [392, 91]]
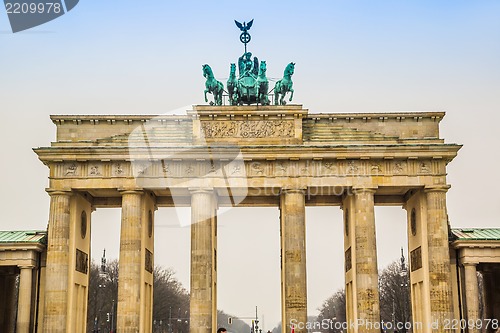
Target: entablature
[[247, 125]]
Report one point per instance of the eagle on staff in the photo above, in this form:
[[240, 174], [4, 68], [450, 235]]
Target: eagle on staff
[[244, 36], [244, 27]]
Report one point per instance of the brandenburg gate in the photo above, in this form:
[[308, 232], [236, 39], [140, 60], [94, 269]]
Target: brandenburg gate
[[216, 156]]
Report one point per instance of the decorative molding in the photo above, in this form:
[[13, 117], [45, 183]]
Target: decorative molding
[[190, 168], [71, 169], [95, 170], [248, 129], [118, 169]]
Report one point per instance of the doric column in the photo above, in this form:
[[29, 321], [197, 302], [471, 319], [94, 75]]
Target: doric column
[[441, 301], [24, 299], [365, 265], [293, 260], [203, 305], [56, 287], [129, 285], [471, 295]]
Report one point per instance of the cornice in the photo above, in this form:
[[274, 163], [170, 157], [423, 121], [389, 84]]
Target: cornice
[[387, 152]]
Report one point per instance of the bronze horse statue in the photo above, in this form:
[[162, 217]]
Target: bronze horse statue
[[212, 86], [262, 85], [284, 85], [232, 86]]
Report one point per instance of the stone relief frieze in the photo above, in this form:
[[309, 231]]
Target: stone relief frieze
[[253, 168], [376, 168], [281, 167], [399, 168], [212, 167], [71, 169], [95, 170], [140, 168], [166, 165], [118, 169], [248, 129], [352, 168], [236, 170], [304, 169], [424, 168], [189, 170], [257, 168]]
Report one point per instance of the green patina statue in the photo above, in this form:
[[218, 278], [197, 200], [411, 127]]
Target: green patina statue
[[232, 86], [247, 66], [252, 85], [262, 85], [212, 86], [284, 85]]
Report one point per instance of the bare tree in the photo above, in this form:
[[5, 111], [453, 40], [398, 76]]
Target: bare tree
[[103, 294], [170, 303], [333, 311], [170, 300], [395, 294]]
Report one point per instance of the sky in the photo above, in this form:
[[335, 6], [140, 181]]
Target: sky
[[130, 57]]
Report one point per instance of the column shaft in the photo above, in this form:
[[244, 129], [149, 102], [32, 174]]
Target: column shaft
[[129, 285], [366, 270], [441, 300], [293, 260], [471, 296], [56, 287], [202, 303], [24, 300]]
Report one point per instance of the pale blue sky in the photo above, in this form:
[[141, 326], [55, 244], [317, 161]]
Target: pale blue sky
[[111, 57]]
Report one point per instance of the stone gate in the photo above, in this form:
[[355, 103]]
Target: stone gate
[[217, 156]]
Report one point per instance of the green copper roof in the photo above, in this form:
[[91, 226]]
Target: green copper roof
[[31, 236], [476, 234]]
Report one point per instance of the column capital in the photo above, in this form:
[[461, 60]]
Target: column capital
[[131, 191], [26, 266], [468, 263], [293, 190], [53, 192], [194, 190], [436, 188], [367, 189]]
